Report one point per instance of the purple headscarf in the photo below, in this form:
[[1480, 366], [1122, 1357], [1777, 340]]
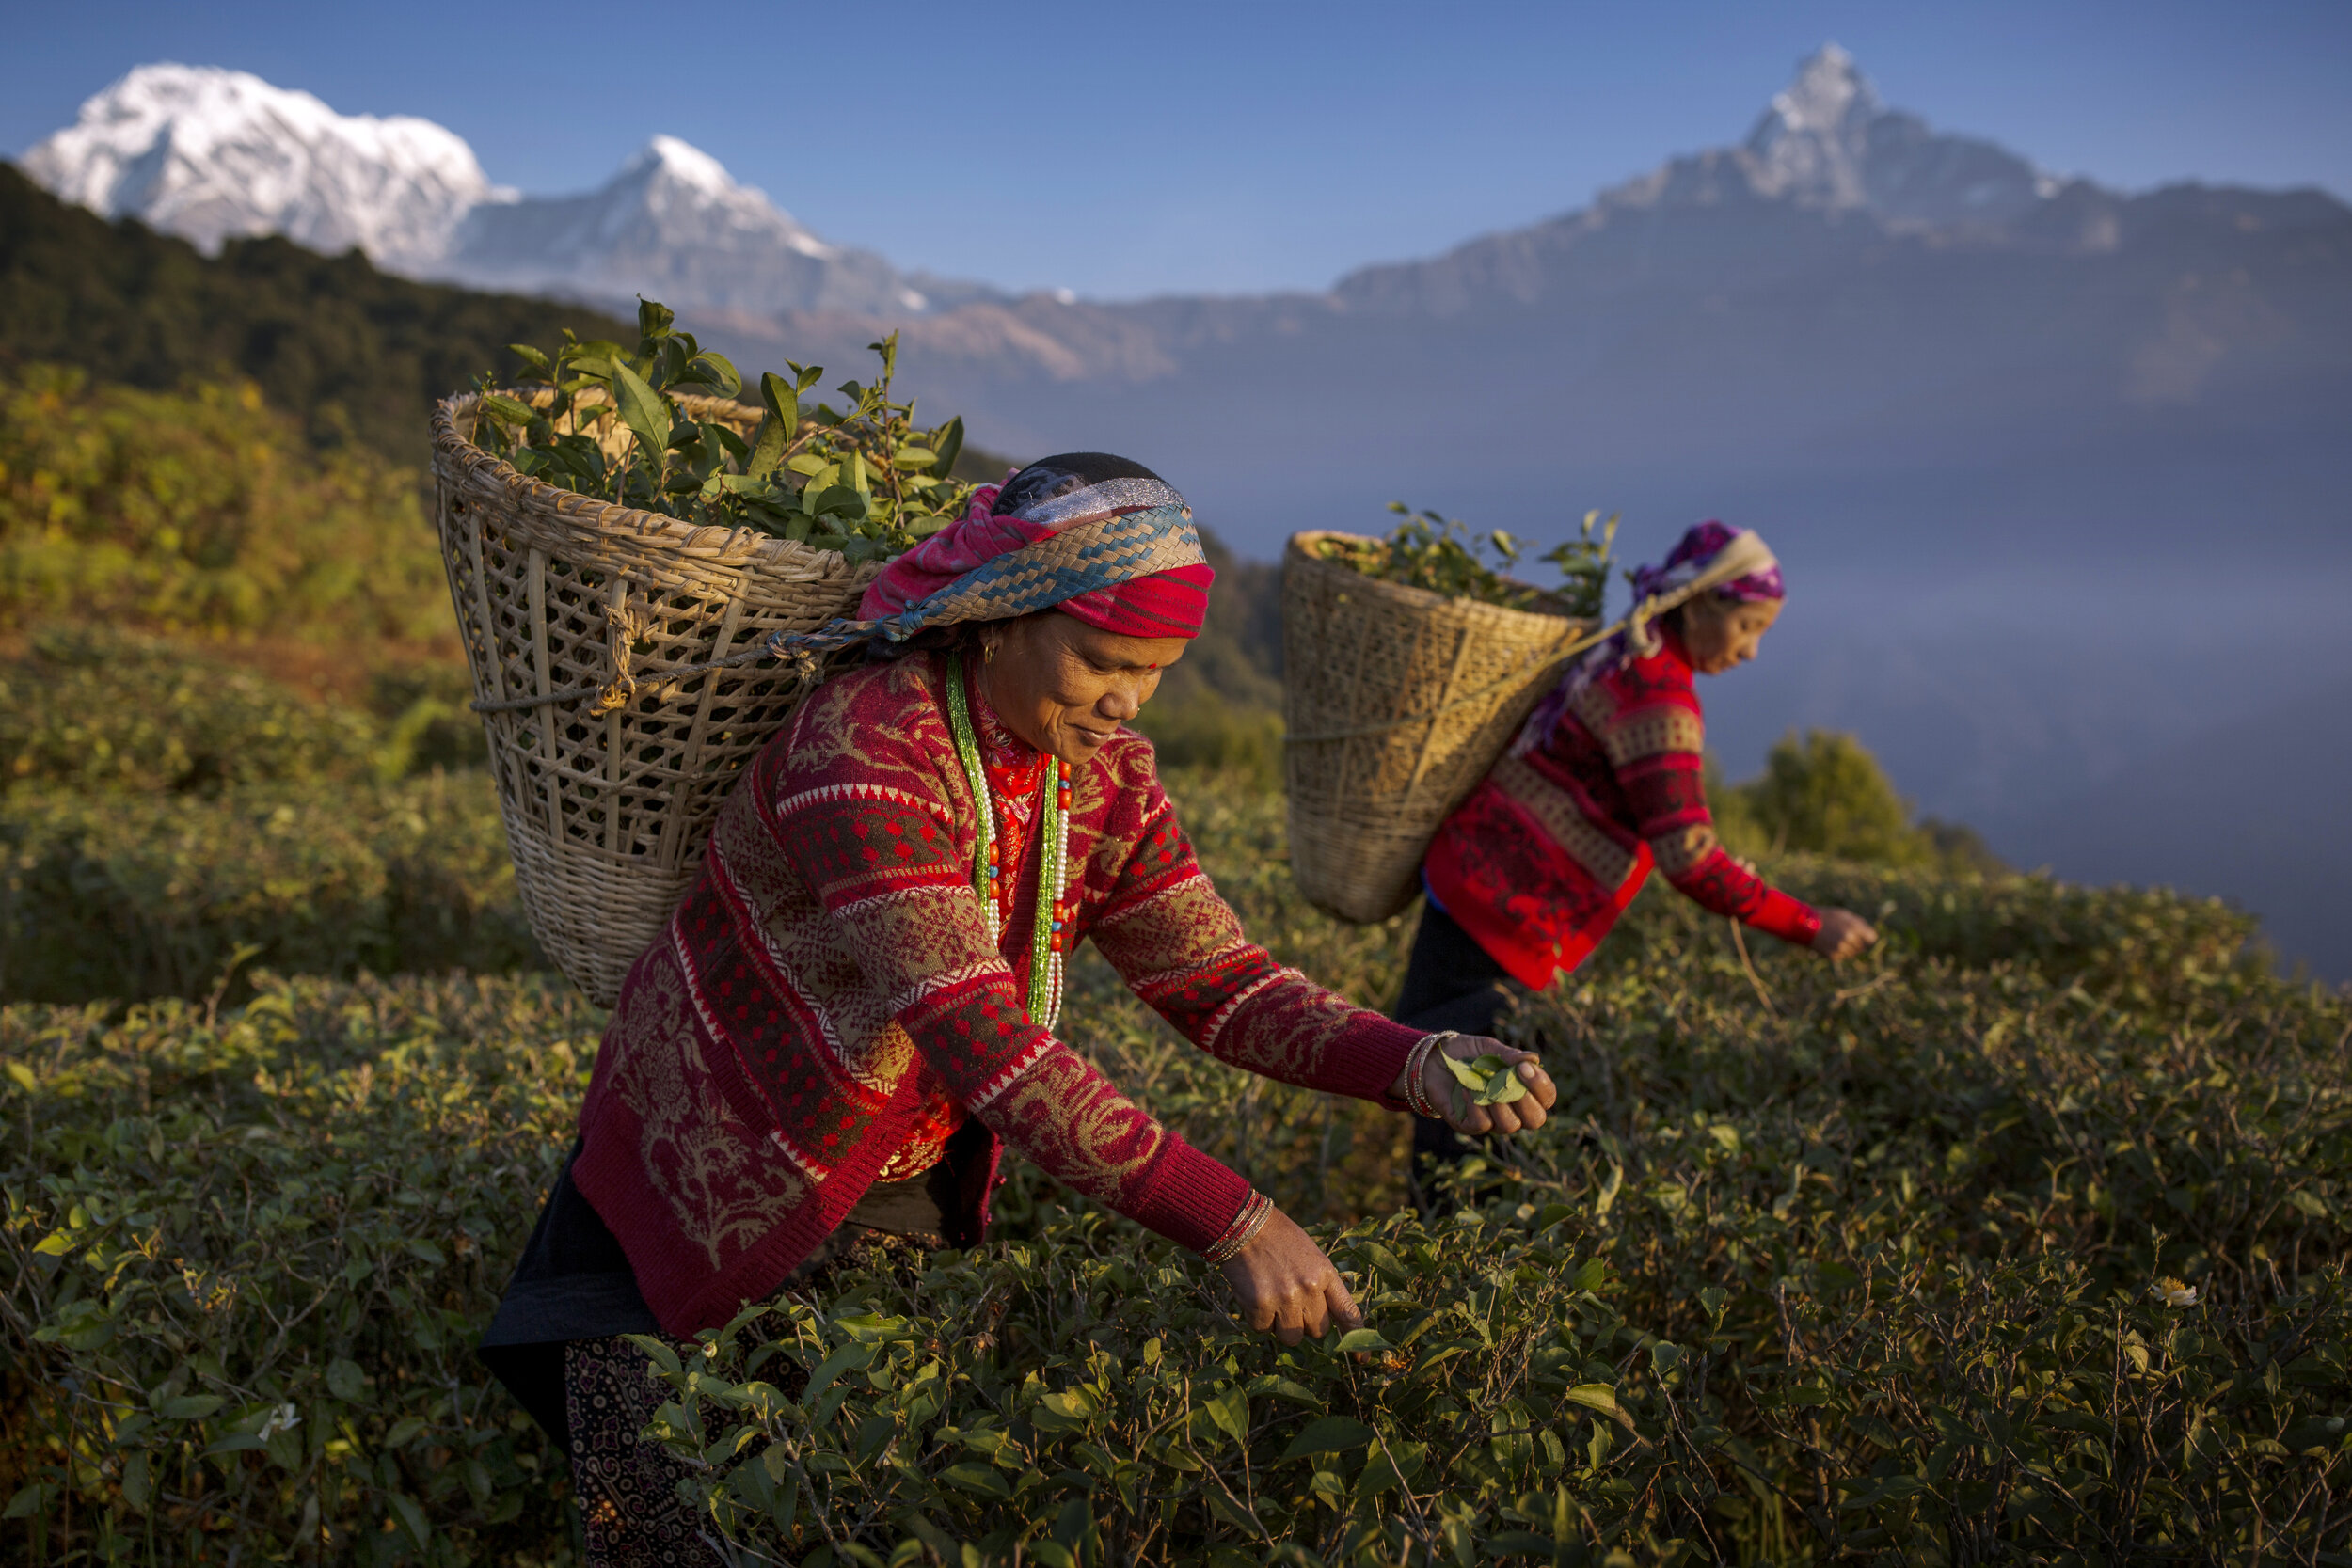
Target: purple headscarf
[[1657, 591], [1697, 548]]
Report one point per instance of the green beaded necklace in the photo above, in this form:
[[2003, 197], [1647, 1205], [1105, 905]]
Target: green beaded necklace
[[1052, 933]]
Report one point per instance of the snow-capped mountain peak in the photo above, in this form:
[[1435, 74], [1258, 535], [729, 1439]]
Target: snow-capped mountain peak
[[1830, 93], [1813, 142], [684, 163], [1828, 140], [212, 154]]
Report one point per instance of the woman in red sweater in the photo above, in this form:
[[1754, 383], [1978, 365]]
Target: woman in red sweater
[[852, 1012], [1530, 873]]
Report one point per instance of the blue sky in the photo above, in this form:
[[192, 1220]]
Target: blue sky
[[1123, 150]]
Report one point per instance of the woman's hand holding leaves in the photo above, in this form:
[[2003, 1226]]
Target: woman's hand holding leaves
[[1487, 1087]]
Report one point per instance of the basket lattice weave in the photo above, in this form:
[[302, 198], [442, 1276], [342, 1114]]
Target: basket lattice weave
[[606, 817], [1396, 701]]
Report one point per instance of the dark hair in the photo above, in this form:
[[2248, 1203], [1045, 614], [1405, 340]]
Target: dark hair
[[1062, 473]]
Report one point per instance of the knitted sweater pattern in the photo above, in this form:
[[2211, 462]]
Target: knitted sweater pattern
[[1547, 852], [826, 1007]]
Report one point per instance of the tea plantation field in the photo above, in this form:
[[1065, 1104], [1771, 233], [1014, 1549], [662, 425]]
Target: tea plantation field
[[2021, 1241]]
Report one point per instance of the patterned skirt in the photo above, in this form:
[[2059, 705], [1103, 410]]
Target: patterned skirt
[[637, 1501]]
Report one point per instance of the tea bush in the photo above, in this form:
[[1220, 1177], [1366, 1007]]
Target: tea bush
[[129, 896], [1937, 1260], [247, 1254], [119, 711], [2020, 1240]]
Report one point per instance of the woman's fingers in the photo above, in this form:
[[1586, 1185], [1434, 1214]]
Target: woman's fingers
[[1346, 1314]]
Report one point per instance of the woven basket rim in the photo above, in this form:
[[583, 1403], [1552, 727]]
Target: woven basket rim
[[1405, 595], [761, 550]]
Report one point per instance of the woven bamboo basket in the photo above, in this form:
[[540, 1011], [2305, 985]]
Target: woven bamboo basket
[[558, 596], [1396, 701]]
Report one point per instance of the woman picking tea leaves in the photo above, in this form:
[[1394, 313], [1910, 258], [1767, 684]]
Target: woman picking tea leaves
[[852, 1012], [1532, 869]]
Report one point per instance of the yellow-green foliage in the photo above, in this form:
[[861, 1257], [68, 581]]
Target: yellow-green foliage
[[118, 711], [162, 812], [204, 511]]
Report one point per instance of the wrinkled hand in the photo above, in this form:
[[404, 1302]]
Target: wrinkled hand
[[1843, 935], [1284, 1283], [1523, 1114]]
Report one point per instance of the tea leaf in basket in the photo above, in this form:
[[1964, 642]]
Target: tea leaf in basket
[[646, 416], [865, 481]]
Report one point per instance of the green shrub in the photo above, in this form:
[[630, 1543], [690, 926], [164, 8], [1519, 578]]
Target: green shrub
[[1207, 733], [245, 1261], [157, 895]]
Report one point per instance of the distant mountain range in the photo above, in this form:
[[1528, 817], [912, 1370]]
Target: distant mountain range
[[2101, 434], [1847, 313]]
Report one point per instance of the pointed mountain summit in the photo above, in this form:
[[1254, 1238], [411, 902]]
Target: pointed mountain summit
[[1828, 141], [212, 155]]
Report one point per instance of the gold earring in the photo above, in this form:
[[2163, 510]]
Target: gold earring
[[987, 653]]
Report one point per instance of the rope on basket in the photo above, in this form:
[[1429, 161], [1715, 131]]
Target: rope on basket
[[1745, 554], [665, 681]]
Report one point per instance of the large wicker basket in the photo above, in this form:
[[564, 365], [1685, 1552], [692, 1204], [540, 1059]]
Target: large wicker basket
[[559, 597], [1396, 701]]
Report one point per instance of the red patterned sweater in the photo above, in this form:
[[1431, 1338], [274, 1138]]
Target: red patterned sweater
[[1547, 852], [825, 1008]]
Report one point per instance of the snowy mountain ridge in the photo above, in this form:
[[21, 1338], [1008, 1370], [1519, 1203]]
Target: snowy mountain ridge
[[212, 154]]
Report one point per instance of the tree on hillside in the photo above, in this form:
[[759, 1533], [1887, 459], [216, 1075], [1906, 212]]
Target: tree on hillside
[[1826, 794]]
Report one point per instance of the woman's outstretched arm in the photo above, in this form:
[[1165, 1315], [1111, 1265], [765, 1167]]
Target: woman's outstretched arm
[[1181, 949]]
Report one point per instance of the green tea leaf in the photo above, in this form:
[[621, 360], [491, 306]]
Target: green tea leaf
[[1330, 1434], [420, 1528], [950, 447], [644, 411], [346, 1381], [1489, 1079]]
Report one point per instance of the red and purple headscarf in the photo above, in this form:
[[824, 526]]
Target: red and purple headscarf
[[1099, 537], [1694, 552]]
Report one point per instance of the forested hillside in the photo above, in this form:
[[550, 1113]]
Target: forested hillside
[[354, 354]]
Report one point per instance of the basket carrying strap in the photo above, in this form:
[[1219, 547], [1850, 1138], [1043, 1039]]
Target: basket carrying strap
[[1745, 554]]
